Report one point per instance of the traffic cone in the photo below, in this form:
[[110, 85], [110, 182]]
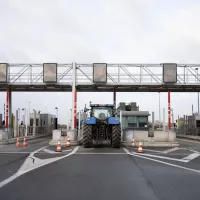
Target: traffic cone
[[17, 143], [133, 142], [140, 148], [58, 149], [24, 143], [68, 142]]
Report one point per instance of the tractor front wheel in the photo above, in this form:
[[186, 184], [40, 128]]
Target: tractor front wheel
[[87, 136]]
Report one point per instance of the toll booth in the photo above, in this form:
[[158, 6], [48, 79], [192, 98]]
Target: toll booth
[[192, 125], [132, 118]]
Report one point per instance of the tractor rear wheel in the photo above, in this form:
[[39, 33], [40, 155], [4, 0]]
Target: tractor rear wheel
[[87, 135], [116, 136]]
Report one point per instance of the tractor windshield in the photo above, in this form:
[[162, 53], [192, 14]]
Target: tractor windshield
[[102, 112]]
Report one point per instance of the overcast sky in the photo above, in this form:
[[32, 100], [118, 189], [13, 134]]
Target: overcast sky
[[115, 31]]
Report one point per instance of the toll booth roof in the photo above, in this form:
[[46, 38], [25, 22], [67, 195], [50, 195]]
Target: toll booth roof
[[136, 113]]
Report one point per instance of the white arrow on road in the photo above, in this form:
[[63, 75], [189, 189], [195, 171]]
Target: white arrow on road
[[32, 163]]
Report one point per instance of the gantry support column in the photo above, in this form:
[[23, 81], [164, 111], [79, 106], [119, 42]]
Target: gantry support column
[[114, 99], [169, 111], [9, 112], [74, 97]]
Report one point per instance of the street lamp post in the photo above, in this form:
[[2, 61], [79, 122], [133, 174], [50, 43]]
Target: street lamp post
[[19, 116], [25, 120]]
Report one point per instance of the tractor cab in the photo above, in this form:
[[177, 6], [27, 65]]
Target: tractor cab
[[102, 111]]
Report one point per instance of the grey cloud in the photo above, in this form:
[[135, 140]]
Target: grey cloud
[[129, 31]]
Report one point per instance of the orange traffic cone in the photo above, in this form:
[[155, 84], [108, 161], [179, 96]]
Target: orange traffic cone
[[68, 142], [24, 143], [140, 148], [17, 143], [133, 142], [58, 149]]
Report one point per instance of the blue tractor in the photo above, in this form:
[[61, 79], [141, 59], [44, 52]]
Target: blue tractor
[[102, 125]]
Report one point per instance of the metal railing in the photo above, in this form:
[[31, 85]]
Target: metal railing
[[117, 74]]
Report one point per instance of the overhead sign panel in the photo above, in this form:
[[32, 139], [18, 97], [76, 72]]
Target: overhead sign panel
[[3, 72], [99, 72], [169, 72], [50, 72]]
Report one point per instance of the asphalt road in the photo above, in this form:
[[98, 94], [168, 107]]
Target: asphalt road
[[100, 173]]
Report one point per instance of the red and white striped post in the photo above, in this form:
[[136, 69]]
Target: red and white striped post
[[6, 122], [74, 97], [75, 107], [169, 111]]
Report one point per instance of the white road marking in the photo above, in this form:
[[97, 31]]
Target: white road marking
[[54, 152], [191, 156], [7, 152], [191, 150], [101, 153], [171, 150], [162, 157], [173, 165], [151, 150], [192, 141], [29, 165]]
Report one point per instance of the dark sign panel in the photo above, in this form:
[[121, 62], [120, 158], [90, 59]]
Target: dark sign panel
[[99, 72], [50, 72], [3, 72], [169, 72]]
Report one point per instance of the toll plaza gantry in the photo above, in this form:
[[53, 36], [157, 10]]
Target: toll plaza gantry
[[96, 77]]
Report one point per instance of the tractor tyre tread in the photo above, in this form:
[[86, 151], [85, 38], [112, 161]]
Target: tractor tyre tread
[[116, 136], [87, 136]]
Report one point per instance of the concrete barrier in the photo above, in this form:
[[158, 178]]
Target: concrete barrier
[[159, 139], [63, 139], [13, 140], [141, 136], [127, 135]]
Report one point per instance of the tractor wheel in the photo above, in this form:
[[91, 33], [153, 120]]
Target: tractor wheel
[[87, 135], [116, 136]]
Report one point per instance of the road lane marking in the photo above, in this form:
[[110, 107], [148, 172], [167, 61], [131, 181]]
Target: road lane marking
[[191, 156], [162, 157], [191, 150], [7, 152], [151, 150], [54, 152], [171, 150], [82, 153], [29, 165], [192, 141], [165, 163]]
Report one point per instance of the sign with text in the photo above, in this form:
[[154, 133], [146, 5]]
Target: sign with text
[[50, 72], [99, 72], [3, 72], [169, 72]]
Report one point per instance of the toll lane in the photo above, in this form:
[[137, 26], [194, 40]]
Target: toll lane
[[107, 173], [83, 177], [12, 157], [104, 173]]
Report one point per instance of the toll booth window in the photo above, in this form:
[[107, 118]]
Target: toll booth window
[[198, 123], [132, 121], [124, 122], [142, 121]]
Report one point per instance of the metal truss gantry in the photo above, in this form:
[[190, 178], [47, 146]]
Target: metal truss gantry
[[120, 78]]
